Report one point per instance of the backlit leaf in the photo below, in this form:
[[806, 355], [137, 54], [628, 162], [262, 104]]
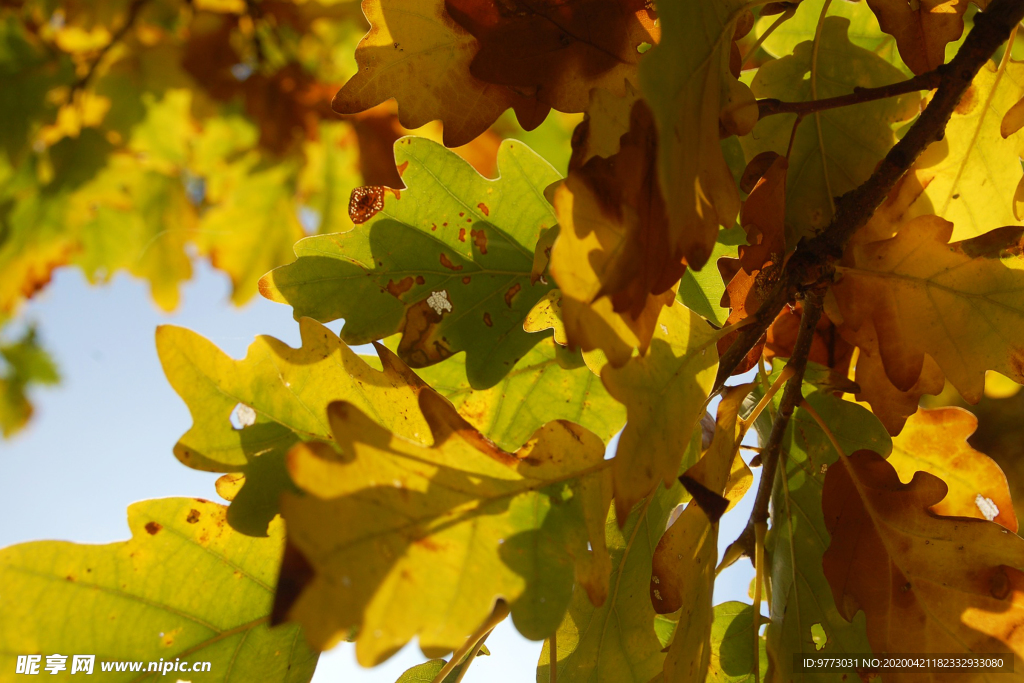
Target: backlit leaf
[[186, 586], [455, 527], [288, 391], [447, 262]]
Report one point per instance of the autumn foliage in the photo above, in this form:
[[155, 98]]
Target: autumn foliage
[[566, 227]]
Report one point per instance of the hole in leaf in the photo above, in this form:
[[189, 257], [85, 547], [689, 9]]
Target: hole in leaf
[[643, 47]]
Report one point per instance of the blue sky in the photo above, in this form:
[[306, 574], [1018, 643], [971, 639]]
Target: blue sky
[[102, 439]]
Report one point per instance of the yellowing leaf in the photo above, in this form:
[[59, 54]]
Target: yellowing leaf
[[547, 383], [287, 391], [970, 176], [935, 441], [606, 121], [418, 55], [617, 641], [687, 82], [951, 584], [613, 259], [683, 571], [959, 303], [454, 528], [184, 587], [664, 393]]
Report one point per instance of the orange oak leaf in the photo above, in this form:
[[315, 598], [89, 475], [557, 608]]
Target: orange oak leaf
[[557, 50], [961, 303], [761, 260], [922, 28], [936, 441], [828, 348], [926, 583]]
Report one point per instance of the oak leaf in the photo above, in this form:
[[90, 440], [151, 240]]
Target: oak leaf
[[606, 119], [926, 296], [26, 365], [455, 527], [447, 262], [732, 657], [186, 585], [836, 150], [948, 584], [935, 441], [618, 641], [664, 393], [286, 392], [417, 54], [555, 50], [969, 176], [613, 259], [796, 541], [922, 29], [683, 567], [687, 82]]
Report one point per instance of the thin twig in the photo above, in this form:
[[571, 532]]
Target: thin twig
[[791, 397], [473, 642], [814, 259], [133, 14], [926, 81]]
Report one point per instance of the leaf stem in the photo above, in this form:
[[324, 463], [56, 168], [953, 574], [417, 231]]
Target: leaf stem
[[791, 397], [473, 643], [553, 659], [759, 533], [814, 260]]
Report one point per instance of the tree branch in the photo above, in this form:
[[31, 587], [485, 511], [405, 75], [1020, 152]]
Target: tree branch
[[814, 259], [791, 397], [926, 81], [133, 14]]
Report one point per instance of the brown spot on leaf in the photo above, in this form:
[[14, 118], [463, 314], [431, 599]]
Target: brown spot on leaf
[[466, 279], [487, 319], [401, 168], [153, 528], [968, 102], [1017, 364], [483, 209], [365, 202], [446, 262], [479, 239], [999, 584], [511, 293], [420, 280], [420, 345], [397, 289], [193, 516], [433, 227], [462, 234]]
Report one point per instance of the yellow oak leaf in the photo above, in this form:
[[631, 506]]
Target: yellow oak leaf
[[922, 29], [454, 527], [687, 81], [664, 393], [926, 583], [935, 441], [970, 176], [961, 303], [613, 259], [683, 570]]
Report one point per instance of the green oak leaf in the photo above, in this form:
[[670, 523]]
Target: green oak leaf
[[732, 640], [701, 290], [447, 261], [184, 586], [618, 642], [801, 596], [23, 363], [548, 383], [288, 391], [836, 150]]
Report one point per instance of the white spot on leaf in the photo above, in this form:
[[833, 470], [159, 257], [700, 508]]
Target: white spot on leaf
[[242, 416], [987, 506], [439, 301]]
